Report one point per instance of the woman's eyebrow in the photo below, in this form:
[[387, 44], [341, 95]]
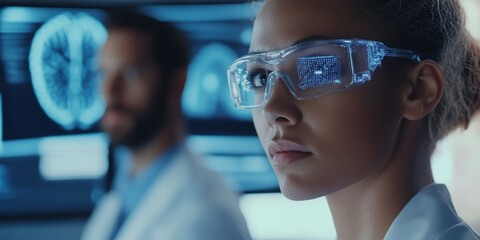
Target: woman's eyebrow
[[302, 40], [309, 39]]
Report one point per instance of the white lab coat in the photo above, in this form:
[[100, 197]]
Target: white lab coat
[[186, 202], [430, 215]]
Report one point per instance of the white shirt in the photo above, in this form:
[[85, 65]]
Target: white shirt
[[430, 215], [185, 202]]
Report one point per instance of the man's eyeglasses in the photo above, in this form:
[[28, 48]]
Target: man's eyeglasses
[[308, 69]]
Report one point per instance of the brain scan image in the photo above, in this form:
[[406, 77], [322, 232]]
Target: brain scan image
[[63, 66], [206, 93]]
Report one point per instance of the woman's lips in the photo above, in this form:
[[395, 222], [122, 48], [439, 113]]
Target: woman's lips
[[285, 152]]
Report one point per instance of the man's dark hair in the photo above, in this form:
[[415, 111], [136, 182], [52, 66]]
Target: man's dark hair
[[169, 46], [169, 49]]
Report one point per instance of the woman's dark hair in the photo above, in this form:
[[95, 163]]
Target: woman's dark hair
[[436, 28]]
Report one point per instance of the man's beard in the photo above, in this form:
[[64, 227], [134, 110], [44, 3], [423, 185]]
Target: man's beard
[[145, 125]]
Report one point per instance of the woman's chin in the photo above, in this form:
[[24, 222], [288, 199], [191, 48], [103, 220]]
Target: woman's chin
[[299, 192]]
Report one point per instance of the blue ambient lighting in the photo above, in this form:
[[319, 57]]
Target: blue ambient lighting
[[205, 95], [63, 65]]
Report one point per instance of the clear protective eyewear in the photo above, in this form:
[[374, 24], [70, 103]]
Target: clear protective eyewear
[[308, 69]]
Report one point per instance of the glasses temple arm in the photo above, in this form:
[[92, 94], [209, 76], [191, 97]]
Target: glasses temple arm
[[393, 52]]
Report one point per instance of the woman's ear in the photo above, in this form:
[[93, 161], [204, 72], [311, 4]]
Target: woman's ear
[[426, 87]]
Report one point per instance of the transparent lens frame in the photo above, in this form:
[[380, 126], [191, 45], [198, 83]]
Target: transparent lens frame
[[358, 58]]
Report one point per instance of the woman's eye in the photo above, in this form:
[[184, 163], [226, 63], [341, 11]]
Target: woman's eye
[[259, 79]]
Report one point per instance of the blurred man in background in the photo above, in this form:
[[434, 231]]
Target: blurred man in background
[[160, 190]]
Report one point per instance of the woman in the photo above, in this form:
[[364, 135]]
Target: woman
[[342, 115]]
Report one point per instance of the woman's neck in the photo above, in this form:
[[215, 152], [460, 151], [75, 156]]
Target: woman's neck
[[366, 209]]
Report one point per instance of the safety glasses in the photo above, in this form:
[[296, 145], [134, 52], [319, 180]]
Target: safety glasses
[[308, 69]]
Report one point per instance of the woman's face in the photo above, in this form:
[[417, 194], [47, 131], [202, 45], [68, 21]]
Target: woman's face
[[320, 145]]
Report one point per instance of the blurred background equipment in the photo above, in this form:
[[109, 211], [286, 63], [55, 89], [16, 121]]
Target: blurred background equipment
[[54, 160]]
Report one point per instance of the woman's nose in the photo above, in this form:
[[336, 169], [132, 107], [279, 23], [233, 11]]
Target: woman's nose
[[280, 108]]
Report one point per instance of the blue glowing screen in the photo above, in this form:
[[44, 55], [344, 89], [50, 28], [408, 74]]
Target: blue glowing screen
[[206, 93], [50, 103], [49, 85], [63, 63]]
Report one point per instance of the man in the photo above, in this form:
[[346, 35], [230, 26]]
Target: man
[[160, 190]]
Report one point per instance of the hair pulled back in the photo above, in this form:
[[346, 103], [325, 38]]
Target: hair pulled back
[[436, 28]]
